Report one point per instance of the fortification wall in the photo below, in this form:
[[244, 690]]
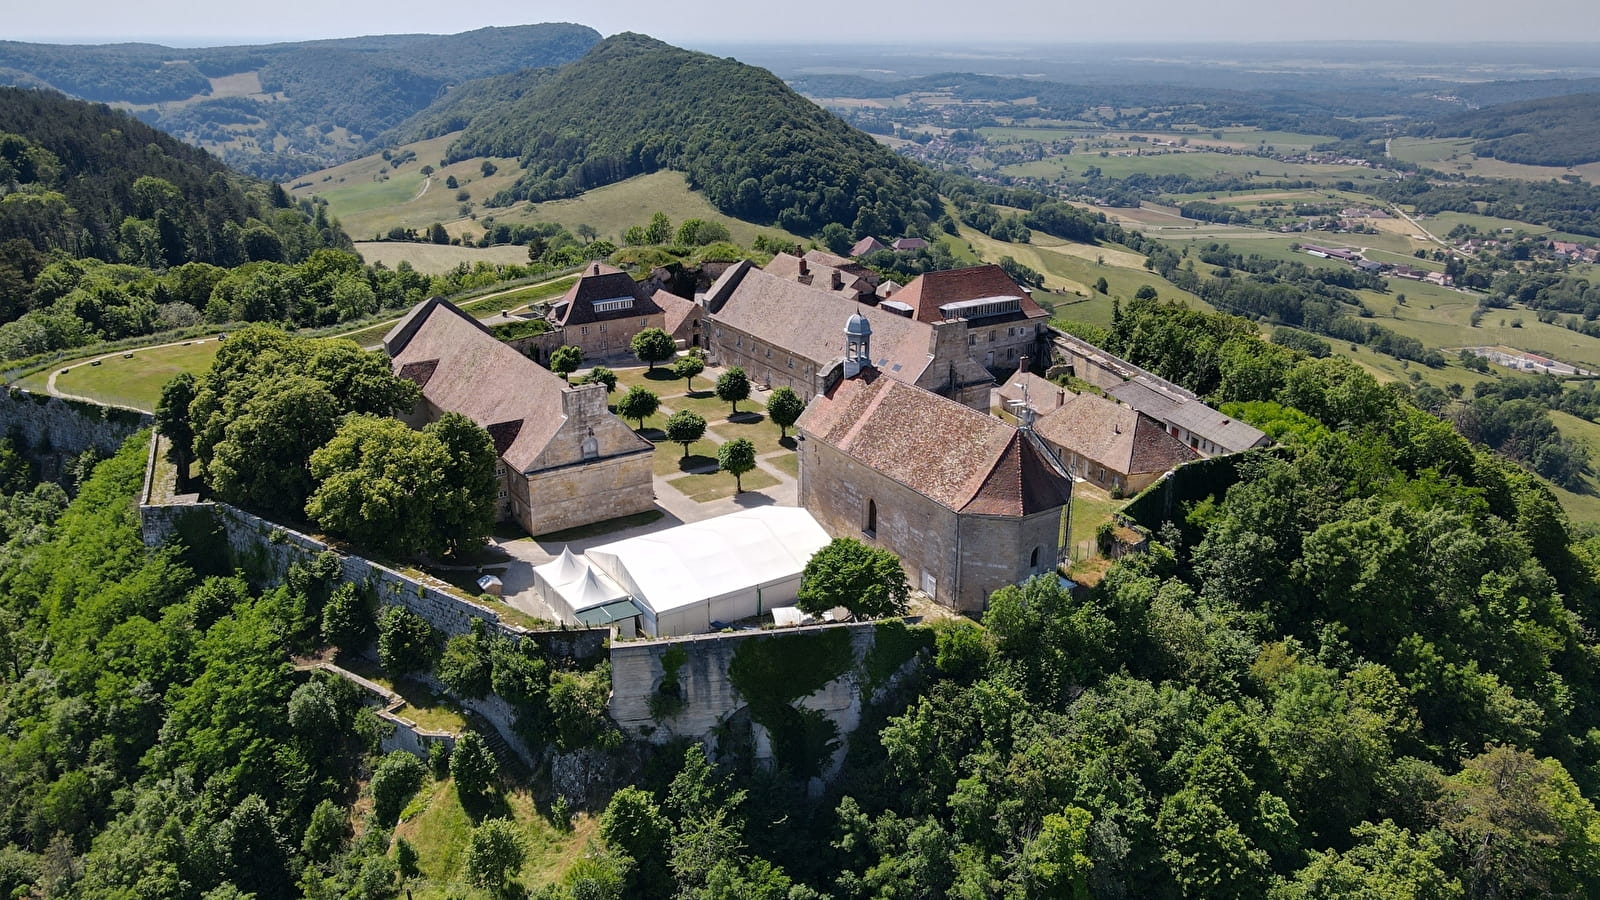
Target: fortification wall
[[708, 697], [53, 431]]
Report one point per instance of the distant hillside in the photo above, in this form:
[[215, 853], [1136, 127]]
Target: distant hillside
[[1551, 131], [753, 147], [90, 181], [280, 110]]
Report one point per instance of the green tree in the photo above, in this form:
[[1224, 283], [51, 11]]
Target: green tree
[[633, 824], [347, 618], [836, 238], [687, 367], [566, 359], [638, 404], [733, 386], [495, 855], [653, 345], [685, 427], [784, 407], [659, 231], [1101, 286], [394, 781], [737, 457], [405, 641], [472, 764], [866, 580], [327, 832], [601, 375], [465, 667], [172, 420], [1056, 863], [437, 234]]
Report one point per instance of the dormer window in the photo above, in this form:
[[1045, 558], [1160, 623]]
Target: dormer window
[[613, 305]]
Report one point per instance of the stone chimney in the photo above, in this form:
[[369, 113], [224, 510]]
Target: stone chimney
[[805, 269], [1023, 363], [838, 280], [1061, 397], [597, 268]]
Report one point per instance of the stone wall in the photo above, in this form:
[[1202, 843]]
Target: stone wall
[[53, 431], [1100, 368], [709, 698]]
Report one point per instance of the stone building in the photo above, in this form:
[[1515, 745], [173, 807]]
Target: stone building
[[1203, 429], [777, 329], [1003, 322], [1110, 445], [827, 272], [565, 460], [602, 312], [969, 503]]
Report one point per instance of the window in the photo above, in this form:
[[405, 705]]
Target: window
[[871, 530], [791, 362], [1033, 559], [499, 470], [769, 353], [583, 331], [991, 337], [602, 328], [619, 303], [502, 493]]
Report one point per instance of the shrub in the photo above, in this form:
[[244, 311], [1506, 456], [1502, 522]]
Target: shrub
[[396, 779]]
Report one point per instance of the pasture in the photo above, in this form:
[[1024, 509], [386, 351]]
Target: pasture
[[434, 259], [1455, 155]]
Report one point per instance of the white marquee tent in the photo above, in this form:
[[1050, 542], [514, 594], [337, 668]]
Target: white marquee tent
[[727, 568], [579, 594]]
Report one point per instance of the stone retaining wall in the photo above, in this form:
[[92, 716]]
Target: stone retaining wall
[[53, 431]]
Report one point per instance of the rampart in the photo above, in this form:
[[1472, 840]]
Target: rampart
[[53, 431]]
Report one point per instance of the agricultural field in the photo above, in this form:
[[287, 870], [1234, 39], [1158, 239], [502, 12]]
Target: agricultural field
[[1455, 155]]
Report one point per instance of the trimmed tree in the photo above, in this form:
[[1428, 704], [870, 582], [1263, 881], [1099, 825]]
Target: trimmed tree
[[687, 367], [785, 407], [653, 345], [866, 580], [733, 386], [172, 420], [737, 457], [685, 427], [638, 404], [405, 641], [566, 359], [601, 375]]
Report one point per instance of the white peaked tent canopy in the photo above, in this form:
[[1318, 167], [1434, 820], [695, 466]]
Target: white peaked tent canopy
[[731, 567]]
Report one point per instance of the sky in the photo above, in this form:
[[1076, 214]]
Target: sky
[[194, 23]]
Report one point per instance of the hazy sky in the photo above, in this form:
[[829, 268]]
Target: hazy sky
[[193, 22]]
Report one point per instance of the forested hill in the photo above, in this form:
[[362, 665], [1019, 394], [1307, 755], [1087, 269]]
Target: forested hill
[[755, 148], [280, 110], [1552, 131], [93, 182]]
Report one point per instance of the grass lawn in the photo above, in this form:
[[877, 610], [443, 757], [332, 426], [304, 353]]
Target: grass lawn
[[620, 523], [1091, 508], [497, 301], [135, 381], [705, 488], [436, 259], [437, 718], [788, 463], [439, 827], [669, 459], [753, 426], [422, 705], [716, 412]]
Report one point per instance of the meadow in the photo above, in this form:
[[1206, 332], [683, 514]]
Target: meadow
[[1455, 155]]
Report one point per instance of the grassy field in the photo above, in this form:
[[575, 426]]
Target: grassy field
[[439, 827], [1455, 155], [1197, 164], [130, 381], [369, 197], [434, 259]]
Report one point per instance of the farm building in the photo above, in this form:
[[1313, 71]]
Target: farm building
[[718, 570]]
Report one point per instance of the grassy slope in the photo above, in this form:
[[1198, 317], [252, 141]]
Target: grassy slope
[[369, 198], [1455, 155]]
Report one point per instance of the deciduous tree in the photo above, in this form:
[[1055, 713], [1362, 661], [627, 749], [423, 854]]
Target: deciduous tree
[[688, 366], [652, 345], [784, 407], [733, 386], [638, 404], [737, 457], [685, 427], [566, 359], [866, 580]]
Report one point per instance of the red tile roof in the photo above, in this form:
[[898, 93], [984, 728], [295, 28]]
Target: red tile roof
[[1117, 437], [470, 372], [960, 458], [867, 245], [931, 290]]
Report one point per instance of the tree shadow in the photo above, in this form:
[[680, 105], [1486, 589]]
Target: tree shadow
[[654, 435], [696, 462], [662, 374], [701, 395], [788, 442], [747, 418], [491, 804]]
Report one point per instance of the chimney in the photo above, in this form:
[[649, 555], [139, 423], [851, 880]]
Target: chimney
[[1022, 364], [838, 280], [1061, 397], [805, 270], [597, 268]]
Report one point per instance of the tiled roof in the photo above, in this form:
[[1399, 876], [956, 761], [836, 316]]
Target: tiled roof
[[1115, 436], [960, 458], [867, 245], [601, 282], [810, 323], [517, 400], [819, 272], [1193, 416], [909, 243], [1044, 396], [931, 290], [677, 310]]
